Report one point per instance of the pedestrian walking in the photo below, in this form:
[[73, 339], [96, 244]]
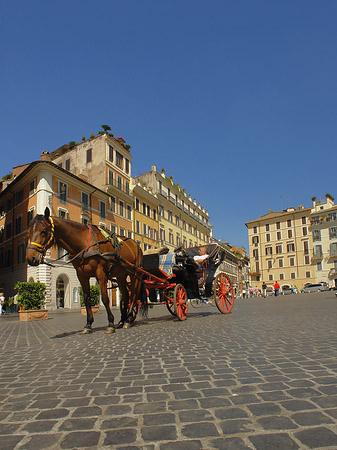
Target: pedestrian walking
[[15, 302], [2, 303], [276, 289], [243, 293], [264, 289]]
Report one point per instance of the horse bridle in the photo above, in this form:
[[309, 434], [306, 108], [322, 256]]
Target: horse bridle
[[42, 249]]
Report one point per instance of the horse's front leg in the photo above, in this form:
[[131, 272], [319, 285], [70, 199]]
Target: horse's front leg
[[86, 294]]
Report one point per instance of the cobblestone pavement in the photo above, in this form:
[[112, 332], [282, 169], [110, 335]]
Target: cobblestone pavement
[[262, 377]]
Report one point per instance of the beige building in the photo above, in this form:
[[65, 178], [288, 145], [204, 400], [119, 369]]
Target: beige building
[[280, 246], [104, 162], [182, 221], [145, 217], [323, 228]]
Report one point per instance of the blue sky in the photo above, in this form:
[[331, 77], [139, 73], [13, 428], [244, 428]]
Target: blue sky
[[235, 99]]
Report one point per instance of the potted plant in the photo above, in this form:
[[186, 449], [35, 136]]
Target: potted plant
[[95, 294], [31, 300]]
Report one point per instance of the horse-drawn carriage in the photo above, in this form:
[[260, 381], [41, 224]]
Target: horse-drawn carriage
[[174, 278], [162, 278]]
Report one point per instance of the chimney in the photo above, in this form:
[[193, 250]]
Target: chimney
[[45, 156]]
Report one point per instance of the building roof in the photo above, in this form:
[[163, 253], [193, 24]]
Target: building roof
[[278, 214]]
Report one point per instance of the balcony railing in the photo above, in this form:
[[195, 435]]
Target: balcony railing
[[120, 186]]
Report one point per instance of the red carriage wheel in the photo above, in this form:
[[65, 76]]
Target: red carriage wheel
[[180, 301], [223, 293]]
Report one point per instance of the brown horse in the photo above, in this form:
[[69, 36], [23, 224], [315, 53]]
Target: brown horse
[[93, 255]]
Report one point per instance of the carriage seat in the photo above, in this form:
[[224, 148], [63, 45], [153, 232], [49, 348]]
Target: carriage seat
[[158, 261]]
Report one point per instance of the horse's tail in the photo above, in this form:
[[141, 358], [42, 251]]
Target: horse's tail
[[143, 300]]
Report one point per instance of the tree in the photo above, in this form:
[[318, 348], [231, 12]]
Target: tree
[[313, 199], [106, 128]]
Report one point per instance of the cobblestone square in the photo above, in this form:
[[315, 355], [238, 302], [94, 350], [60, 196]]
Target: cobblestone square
[[262, 377]]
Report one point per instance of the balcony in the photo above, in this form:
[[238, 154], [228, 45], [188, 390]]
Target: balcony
[[120, 186], [317, 254]]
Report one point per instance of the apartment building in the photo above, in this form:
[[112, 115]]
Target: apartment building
[[182, 221], [323, 227], [104, 162], [145, 215], [280, 245], [32, 188]]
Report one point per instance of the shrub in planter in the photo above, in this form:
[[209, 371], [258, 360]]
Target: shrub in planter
[[95, 294], [30, 295]]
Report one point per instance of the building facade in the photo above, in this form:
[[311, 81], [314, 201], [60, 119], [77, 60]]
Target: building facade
[[182, 221], [323, 227], [39, 185], [280, 246]]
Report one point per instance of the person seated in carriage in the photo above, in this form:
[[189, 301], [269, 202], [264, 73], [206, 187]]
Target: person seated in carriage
[[202, 255]]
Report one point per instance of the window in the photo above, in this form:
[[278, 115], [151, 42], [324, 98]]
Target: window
[[144, 208], [18, 197], [127, 165], [255, 230], [281, 276], [268, 237], [177, 221], [306, 259], [332, 232], [267, 227], [178, 239], [112, 228], [111, 154], [278, 249], [145, 229], [271, 277], [169, 216], [305, 231], [129, 234], [293, 275], [308, 274], [316, 235], [18, 225], [121, 208], [148, 210], [127, 187], [89, 155], [154, 212], [85, 202], [280, 262], [68, 164], [318, 251], [290, 234], [289, 222], [119, 183], [319, 266], [269, 251], [155, 235], [63, 214], [290, 247], [119, 160], [256, 254], [102, 209], [63, 192], [279, 235], [121, 231], [278, 225], [128, 212], [137, 227], [110, 177], [333, 216], [255, 239], [270, 263], [304, 220], [32, 187], [333, 249], [21, 253], [112, 204], [162, 235], [161, 211], [306, 247], [291, 261], [137, 205], [170, 237], [257, 267]]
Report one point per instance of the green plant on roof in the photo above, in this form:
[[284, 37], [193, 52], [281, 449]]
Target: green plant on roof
[[106, 128], [83, 138], [329, 196], [92, 136], [9, 176], [111, 134], [127, 146], [313, 199], [71, 144], [100, 132]]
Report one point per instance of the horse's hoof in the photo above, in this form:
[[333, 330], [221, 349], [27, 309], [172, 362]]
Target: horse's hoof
[[86, 331], [127, 325], [109, 330]]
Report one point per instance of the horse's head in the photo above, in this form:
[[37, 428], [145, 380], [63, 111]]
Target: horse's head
[[41, 237]]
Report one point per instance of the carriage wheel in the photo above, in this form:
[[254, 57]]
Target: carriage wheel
[[180, 301], [168, 301], [223, 293], [196, 302]]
